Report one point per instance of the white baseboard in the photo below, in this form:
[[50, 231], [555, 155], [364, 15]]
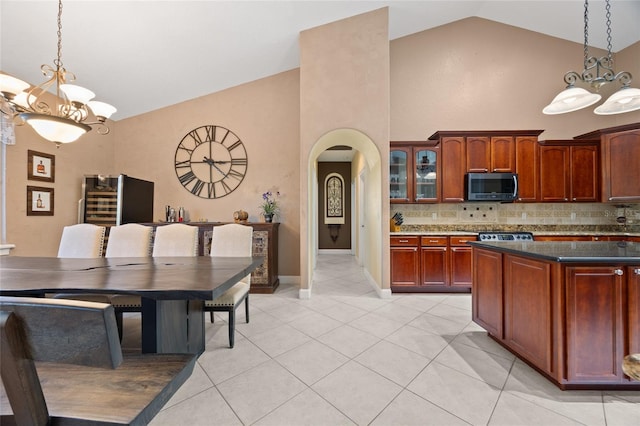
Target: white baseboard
[[304, 293], [289, 279], [383, 293], [335, 251]]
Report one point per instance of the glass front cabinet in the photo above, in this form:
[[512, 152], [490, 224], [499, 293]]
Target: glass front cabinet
[[413, 173]]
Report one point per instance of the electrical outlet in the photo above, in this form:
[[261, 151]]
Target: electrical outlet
[[524, 215], [573, 215], [434, 215]]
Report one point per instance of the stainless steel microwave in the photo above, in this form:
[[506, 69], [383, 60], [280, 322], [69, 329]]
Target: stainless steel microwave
[[501, 187]]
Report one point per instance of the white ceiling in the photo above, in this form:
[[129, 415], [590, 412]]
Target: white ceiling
[[143, 55]]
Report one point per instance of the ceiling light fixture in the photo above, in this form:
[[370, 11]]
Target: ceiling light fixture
[[64, 119], [574, 98]]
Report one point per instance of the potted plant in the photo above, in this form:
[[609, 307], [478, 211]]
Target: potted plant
[[269, 206]]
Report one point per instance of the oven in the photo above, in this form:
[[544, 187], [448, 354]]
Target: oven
[[499, 236]]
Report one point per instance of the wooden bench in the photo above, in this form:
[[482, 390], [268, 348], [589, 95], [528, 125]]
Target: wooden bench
[[61, 363]]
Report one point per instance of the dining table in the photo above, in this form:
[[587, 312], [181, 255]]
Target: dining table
[[172, 289]]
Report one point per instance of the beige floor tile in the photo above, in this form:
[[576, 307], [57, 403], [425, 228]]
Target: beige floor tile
[[512, 410], [467, 398], [622, 412], [306, 409], [279, 340], [206, 408], [315, 324], [221, 364], [376, 324], [417, 340], [348, 340], [408, 409], [357, 392], [255, 393], [393, 362], [312, 361]]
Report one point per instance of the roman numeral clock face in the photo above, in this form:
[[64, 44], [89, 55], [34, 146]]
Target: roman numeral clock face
[[211, 161]]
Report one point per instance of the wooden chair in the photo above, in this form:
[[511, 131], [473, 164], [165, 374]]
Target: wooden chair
[[62, 364], [231, 240], [83, 240]]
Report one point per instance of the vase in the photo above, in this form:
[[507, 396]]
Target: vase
[[268, 217]]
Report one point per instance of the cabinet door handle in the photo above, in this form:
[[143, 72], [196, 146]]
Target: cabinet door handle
[[404, 241], [618, 272], [636, 271]]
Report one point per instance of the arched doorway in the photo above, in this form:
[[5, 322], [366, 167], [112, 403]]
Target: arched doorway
[[366, 171]]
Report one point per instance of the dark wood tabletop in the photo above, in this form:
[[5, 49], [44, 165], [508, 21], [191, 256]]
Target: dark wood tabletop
[[171, 278], [173, 289]]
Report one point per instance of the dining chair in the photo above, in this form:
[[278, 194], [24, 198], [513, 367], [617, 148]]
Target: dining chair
[[129, 240], [170, 240], [231, 240], [83, 240], [176, 239]]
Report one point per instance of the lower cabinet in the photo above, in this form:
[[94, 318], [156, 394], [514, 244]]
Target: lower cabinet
[[430, 263]]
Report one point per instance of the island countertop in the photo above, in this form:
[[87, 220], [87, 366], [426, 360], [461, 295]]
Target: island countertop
[[600, 252]]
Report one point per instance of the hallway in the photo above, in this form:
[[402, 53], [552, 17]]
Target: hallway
[[347, 357]]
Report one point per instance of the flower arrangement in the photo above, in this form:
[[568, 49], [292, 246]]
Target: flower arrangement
[[269, 204]]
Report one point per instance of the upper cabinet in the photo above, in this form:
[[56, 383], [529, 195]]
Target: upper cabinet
[[620, 162], [487, 151], [569, 171], [414, 172]]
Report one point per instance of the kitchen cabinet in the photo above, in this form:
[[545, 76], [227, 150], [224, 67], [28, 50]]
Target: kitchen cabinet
[[495, 154], [453, 153], [405, 262], [482, 151], [569, 171], [572, 321], [528, 168], [430, 263], [413, 173], [434, 261], [620, 157], [460, 261]]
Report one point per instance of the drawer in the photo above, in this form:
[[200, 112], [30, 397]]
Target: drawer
[[434, 241], [407, 241], [461, 240]]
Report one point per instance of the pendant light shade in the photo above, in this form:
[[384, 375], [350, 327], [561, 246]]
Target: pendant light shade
[[57, 111], [55, 129], [626, 99], [597, 72], [571, 99]]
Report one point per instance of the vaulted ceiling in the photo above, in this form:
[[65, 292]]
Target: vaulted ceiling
[[143, 55]]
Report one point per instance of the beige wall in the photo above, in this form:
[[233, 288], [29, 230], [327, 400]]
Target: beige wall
[[344, 84], [476, 74]]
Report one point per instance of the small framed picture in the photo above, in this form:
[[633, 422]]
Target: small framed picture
[[41, 166], [39, 201]]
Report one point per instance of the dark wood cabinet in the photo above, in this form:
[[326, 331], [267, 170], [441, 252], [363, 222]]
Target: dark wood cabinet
[[414, 172], [405, 262], [528, 168], [460, 261], [620, 160], [486, 303], [595, 323], [430, 263], [572, 321], [569, 171], [453, 154], [434, 261], [483, 151]]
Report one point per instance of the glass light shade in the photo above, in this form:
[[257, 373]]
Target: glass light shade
[[626, 99], [101, 109], [76, 93], [55, 129], [12, 85], [571, 99]]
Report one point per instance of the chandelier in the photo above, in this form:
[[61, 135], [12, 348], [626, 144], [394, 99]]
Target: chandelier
[[596, 72], [62, 120]]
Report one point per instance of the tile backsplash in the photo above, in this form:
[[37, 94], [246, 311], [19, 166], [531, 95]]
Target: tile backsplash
[[624, 216]]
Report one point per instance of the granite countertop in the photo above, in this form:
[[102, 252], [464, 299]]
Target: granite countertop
[[571, 251]]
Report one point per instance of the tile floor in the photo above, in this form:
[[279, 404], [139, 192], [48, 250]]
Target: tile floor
[[347, 357]]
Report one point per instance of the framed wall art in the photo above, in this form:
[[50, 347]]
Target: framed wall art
[[41, 166], [40, 201]]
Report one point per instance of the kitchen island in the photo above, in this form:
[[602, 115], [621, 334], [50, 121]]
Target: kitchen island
[[571, 310]]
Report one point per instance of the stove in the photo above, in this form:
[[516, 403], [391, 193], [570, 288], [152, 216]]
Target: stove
[[505, 236]]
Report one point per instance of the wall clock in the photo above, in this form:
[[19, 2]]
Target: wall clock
[[211, 161]]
